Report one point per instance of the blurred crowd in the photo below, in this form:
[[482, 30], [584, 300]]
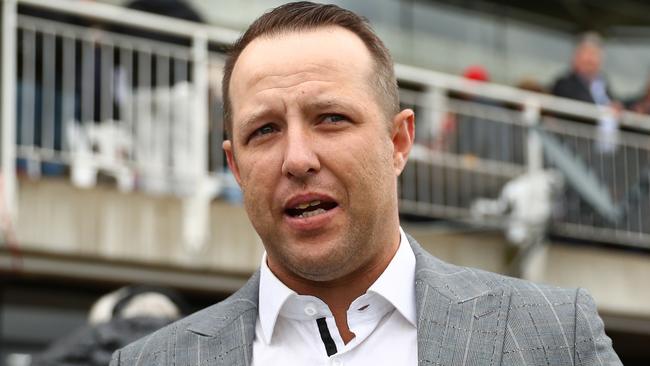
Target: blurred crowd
[[584, 80]]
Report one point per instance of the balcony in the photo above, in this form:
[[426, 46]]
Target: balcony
[[112, 169], [124, 104]]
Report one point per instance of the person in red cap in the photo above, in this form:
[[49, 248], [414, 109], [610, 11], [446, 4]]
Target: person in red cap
[[477, 73]]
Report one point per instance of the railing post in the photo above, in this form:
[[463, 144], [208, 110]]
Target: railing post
[[200, 111], [435, 97], [535, 151], [196, 207], [8, 139]]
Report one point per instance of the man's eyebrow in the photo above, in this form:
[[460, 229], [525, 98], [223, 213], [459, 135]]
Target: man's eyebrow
[[327, 104], [253, 116], [313, 106]]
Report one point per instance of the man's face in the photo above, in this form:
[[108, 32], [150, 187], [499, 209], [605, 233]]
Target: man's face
[[314, 153], [587, 61]]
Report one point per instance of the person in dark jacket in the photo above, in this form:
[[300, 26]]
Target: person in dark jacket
[[585, 81]]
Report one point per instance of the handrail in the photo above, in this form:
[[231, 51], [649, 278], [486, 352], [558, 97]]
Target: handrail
[[52, 27], [135, 18], [506, 93], [222, 35]]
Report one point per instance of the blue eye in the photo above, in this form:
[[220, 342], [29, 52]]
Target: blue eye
[[264, 130], [333, 118]]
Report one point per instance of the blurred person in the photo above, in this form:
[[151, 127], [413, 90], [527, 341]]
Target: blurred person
[[531, 85], [115, 320], [640, 103], [317, 141], [476, 73], [478, 135], [585, 81]]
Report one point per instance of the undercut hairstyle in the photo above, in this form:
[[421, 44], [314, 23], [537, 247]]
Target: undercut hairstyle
[[305, 16]]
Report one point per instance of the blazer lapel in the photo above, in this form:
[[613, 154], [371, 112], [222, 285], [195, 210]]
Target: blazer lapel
[[226, 333], [461, 313], [461, 319]]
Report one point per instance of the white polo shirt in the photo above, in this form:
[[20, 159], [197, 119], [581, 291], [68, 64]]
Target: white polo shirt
[[294, 329]]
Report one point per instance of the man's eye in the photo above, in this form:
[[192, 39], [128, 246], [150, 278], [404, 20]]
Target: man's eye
[[264, 130], [333, 118]]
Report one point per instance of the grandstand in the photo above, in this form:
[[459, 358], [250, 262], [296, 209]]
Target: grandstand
[[112, 170]]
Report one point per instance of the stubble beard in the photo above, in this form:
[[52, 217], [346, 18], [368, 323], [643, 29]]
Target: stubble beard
[[359, 244], [342, 256]]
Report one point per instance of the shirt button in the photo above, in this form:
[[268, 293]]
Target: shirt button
[[310, 310], [337, 362]]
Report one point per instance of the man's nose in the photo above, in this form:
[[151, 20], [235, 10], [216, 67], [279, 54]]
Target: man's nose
[[300, 157]]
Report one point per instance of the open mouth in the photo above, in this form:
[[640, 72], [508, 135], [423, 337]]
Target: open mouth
[[309, 209]]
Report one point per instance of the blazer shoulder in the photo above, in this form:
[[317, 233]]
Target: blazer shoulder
[[148, 350], [543, 322], [562, 322], [461, 284], [157, 348], [528, 292]]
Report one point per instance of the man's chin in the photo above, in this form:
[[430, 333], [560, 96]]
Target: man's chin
[[319, 267], [321, 274]]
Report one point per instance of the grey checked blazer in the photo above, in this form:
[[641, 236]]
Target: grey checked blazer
[[465, 317]]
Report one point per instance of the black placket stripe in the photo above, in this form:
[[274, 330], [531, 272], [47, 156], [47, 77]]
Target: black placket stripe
[[325, 335]]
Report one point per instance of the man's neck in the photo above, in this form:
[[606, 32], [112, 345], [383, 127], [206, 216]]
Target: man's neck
[[338, 294]]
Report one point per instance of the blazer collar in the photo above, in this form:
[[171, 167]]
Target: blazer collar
[[458, 284], [219, 316], [461, 315], [462, 312]]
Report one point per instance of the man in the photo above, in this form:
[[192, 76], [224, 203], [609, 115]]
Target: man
[[316, 141], [585, 82]]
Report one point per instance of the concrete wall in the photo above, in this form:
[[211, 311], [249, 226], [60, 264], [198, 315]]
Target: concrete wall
[[102, 222], [108, 235]]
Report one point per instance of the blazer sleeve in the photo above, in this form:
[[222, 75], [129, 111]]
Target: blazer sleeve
[[592, 345]]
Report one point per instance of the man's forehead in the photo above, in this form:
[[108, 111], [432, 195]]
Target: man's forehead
[[290, 53], [588, 49]]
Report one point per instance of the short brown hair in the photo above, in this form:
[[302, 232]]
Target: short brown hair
[[305, 15]]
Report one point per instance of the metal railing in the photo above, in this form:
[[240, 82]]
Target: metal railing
[[100, 92], [99, 101], [478, 138], [95, 95]]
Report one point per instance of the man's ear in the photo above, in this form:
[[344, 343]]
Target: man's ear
[[230, 157], [403, 133]]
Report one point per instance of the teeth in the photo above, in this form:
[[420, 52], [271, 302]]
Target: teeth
[[312, 213], [303, 206]]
